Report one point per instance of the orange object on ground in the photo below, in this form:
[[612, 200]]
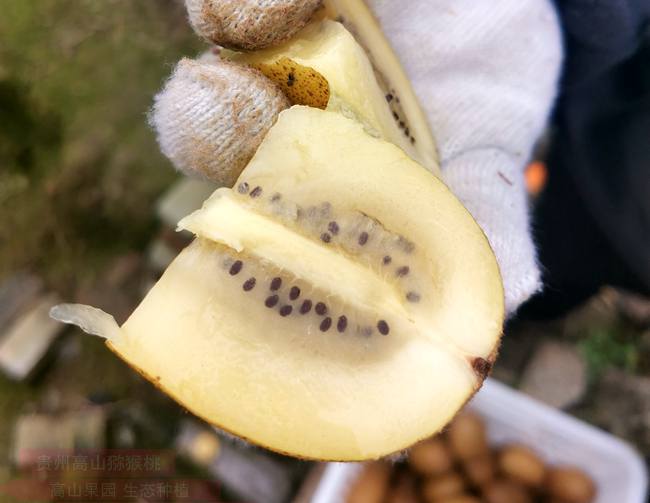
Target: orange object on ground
[[536, 175]]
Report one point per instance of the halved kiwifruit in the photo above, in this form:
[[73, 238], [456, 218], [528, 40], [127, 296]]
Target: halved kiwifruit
[[338, 303], [390, 75], [324, 66]]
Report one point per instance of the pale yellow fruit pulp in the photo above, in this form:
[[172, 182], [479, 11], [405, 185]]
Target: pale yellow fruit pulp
[[281, 382], [330, 49]]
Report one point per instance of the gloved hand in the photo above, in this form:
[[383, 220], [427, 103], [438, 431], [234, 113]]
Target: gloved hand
[[485, 74]]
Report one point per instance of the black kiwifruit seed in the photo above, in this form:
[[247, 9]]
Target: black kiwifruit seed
[[383, 327], [333, 227], [249, 284], [325, 237], [271, 301], [294, 293], [256, 192], [276, 197], [407, 246], [363, 238], [236, 267], [403, 271], [413, 297], [276, 283], [286, 310], [326, 324], [242, 188], [325, 209], [342, 323], [305, 307], [320, 308], [387, 260]]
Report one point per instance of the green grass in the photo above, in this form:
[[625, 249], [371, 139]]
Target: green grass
[[606, 347], [80, 167]]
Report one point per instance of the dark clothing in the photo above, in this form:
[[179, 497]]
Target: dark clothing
[[592, 222]]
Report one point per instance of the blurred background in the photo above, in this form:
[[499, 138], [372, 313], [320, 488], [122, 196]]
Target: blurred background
[[88, 207]]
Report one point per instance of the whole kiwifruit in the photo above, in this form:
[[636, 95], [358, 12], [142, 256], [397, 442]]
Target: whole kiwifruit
[[430, 457], [570, 484], [441, 487], [506, 491], [523, 465], [467, 437], [480, 470], [463, 498], [371, 484]]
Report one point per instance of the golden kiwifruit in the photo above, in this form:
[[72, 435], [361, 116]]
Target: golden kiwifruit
[[211, 116], [480, 470], [326, 52], [322, 301], [442, 487], [467, 437], [391, 77], [570, 484], [506, 491], [371, 485], [430, 457], [520, 463], [463, 498]]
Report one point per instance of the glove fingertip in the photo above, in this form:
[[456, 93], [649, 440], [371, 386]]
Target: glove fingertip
[[246, 24], [211, 116]]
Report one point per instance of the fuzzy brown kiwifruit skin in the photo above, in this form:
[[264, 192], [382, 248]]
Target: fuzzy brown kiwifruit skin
[[371, 484], [443, 487], [249, 24], [520, 463], [430, 457], [302, 85], [467, 436], [570, 484], [212, 115]]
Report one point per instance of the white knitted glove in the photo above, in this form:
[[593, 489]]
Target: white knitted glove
[[485, 73]]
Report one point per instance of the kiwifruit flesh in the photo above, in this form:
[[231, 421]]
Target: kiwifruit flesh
[[326, 51], [390, 75], [334, 305]]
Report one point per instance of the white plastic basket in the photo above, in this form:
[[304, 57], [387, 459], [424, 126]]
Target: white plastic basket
[[618, 471]]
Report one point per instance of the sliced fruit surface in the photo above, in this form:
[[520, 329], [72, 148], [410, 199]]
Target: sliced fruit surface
[[325, 51], [338, 303], [361, 23]]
